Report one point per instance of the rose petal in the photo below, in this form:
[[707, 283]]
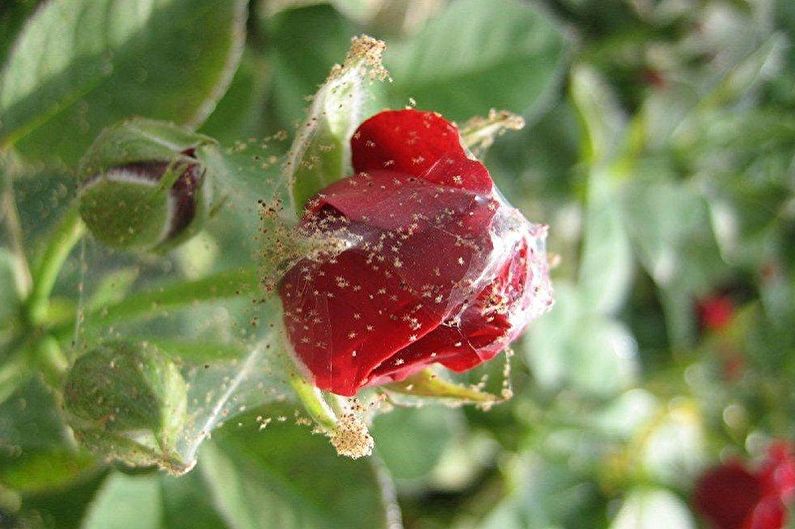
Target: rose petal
[[414, 143], [384, 293], [407, 141], [389, 200]]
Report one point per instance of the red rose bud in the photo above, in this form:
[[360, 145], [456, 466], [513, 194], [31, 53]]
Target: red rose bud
[[438, 267], [142, 186], [732, 496]]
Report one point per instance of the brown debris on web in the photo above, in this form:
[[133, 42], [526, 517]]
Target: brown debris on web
[[284, 243]]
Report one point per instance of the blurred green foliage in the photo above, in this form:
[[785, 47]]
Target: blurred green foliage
[[660, 148]]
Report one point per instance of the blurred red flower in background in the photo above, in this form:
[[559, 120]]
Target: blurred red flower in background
[[715, 312], [732, 496]]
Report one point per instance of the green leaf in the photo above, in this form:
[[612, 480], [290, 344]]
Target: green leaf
[[226, 284], [603, 123], [239, 113], [749, 72], [412, 440], [12, 17], [652, 509], [303, 44], [9, 292], [30, 421], [606, 266], [113, 287], [545, 495], [480, 55], [186, 505], [195, 351], [80, 65], [286, 477], [671, 231], [37, 453], [124, 502], [40, 471], [571, 346]]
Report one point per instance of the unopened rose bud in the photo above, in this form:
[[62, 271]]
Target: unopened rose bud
[[142, 186], [437, 266], [128, 401]]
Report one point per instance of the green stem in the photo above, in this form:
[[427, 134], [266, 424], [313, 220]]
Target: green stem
[[10, 216], [63, 239], [51, 361], [28, 354], [14, 372], [314, 403], [227, 284]]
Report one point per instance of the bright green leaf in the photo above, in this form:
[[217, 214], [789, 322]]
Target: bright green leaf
[[80, 65], [571, 346], [602, 119], [124, 502], [606, 265], [475, 56], [39, 471], [283, 476]]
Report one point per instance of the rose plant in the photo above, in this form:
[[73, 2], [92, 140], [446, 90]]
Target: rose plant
[[406, 256], [213, 282]]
